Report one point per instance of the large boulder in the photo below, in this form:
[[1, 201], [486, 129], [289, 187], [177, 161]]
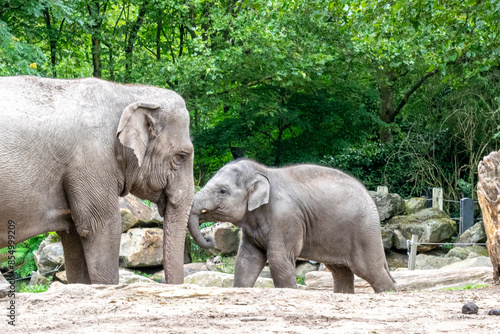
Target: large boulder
[[128, 277], [226, 237], [4, 287], [387, 237], [410, 279], [189, 269], [388, 205], [475, 234], [141, 247], [134, 212], [423, 261], [464, 252], [49, 258], [415, 204], [431, 225], [305, 267], [479, 261], [217, 279]]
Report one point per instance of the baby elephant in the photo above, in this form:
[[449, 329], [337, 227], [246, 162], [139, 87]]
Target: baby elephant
[[306, 211]]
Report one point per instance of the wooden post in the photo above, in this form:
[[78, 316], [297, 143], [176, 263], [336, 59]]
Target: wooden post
[[413, 252], [488, 194], [382, 189], [437, 198]]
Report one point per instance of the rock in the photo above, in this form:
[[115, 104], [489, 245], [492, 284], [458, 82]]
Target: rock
[[61, 276], [305, 267], [214, 264], [266, 272], [141, 247], [216, 279], [155, 215], [480, 261], [415, 204], [192, 268], [475, 234], [189, 269], [388, 205], [433, 262], [470, 308], [226, 237], [410, 279], [133, 211], [387, 237], [4, 287], [38, 279], [464, 252], [396, 260], [494, 312], [128, 277], [431, 225], [49, 258]]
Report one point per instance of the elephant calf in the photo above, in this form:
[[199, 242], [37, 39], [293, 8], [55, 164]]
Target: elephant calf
[[306, 211]]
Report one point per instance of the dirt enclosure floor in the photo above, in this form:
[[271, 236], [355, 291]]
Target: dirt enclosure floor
[[159, 308]]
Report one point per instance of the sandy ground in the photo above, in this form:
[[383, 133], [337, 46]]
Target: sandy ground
[[159, 308]]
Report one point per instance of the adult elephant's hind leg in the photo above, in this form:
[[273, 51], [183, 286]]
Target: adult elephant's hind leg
[[343, 278], [74, 257]]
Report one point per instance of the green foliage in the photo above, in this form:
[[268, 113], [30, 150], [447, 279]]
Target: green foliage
[[198, 254], [23, 254], [468, 286], [37, 288], [301, 280], [287, 82]]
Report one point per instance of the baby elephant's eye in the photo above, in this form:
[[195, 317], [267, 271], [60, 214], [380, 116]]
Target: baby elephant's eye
[[222, 191]]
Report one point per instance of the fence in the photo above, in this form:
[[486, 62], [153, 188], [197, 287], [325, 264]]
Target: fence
[[435, 200]]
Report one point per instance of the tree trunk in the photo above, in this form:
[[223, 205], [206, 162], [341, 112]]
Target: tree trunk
[[96, 56], [134, 30], [488, 193], [387, 113]]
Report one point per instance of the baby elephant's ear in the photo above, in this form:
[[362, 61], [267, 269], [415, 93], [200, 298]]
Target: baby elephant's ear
[[259, 192]]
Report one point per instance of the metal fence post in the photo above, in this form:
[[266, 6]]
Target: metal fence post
[[413, 252], [437, 198], [466, 214]]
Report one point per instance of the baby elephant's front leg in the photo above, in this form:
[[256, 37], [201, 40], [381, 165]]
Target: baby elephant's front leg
[[282, 266], [249, 263]]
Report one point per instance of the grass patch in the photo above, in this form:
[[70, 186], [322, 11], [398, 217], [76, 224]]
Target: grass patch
[[301, 280], [468, 286]]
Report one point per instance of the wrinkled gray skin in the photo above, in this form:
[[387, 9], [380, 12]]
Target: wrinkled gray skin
[[70, 148], [305, 211]]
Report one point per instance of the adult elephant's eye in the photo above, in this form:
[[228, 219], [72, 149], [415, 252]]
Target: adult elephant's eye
[[222, 191], [180, 158]]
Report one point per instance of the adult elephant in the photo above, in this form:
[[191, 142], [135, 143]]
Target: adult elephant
[[306, 211], [70, 148]]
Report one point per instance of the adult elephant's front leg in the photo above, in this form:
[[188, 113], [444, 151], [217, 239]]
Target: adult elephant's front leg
[[249, 264], [102, 250], [95, 211], [74, 257]]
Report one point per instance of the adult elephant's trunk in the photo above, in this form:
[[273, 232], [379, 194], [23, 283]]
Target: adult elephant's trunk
[[194, 224], [179, 196]]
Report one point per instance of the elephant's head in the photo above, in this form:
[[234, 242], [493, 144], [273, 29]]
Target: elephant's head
[[237, 188], [155, 153]]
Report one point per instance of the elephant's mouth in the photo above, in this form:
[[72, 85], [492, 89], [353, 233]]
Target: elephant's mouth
[[162, 204]]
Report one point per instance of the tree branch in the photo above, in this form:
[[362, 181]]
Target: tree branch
[[414, 89]]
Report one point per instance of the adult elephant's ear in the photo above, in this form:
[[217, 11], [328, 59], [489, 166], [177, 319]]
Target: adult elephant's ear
[[259, 192], [136, 125]]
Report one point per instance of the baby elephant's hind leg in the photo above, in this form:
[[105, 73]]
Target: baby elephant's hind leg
[[343, 278]]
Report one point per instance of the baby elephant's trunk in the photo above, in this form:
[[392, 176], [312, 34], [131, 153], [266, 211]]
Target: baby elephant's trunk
[[194, 229]]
